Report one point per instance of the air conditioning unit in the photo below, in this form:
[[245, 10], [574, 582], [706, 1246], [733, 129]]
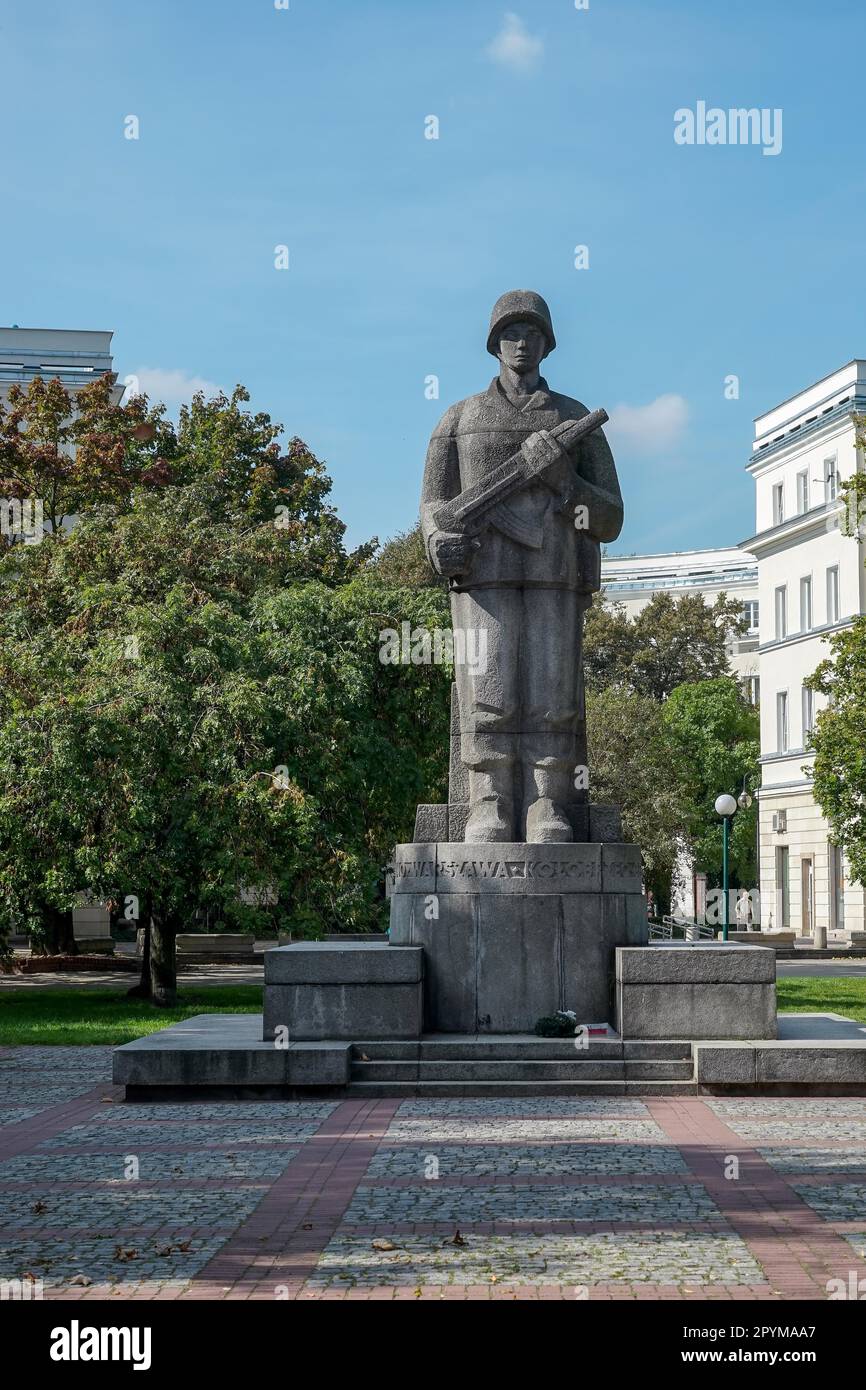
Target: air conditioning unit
[[780, 822]]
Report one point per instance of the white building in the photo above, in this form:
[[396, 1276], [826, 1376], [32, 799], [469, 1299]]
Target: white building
[[74, 356], [811, 582], [633, 580]]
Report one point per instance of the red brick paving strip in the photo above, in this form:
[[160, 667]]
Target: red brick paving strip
[[20, 1138], [276, 1249], [798, 1250]]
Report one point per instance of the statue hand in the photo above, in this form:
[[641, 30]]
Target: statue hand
[[452, 552]]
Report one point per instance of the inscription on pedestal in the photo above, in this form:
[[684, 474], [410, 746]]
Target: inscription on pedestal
[[505, 868]]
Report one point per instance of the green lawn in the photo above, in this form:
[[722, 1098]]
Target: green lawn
[[82, 1016], [833, 994]]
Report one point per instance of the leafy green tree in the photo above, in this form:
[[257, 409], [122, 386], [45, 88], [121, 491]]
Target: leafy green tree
[[715, 736], [403, 561], [668, 643], [633, 764], [70, 454], [188, 710], [839, 742]]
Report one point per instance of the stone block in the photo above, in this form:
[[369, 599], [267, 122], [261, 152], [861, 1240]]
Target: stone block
[[94, 945], [458, 815], [495, 962], [216, 943], [724, 1066], [621, 868], [336, 1011], [431, 823], [226, 1050], [695, 962], [506, 868], [318, 1064], [813, 1064], [342, 963]]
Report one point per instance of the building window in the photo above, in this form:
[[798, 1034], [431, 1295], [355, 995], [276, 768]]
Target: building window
[[831, 481], [803, 491], [781, 613], [782, 721], [808, 714], [783, 888], [753, 689], [833, 594], [750, 613], [778, 504], [806, 603]]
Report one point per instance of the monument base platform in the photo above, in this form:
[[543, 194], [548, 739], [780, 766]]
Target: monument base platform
[[216, 1056]]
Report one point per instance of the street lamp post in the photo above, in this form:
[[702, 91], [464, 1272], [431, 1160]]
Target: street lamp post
[[726, 807]]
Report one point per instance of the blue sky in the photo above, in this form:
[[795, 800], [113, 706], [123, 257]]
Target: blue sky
[[262, 127]]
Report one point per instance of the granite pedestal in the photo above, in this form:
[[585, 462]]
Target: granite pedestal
[[696, 989], [514, 932], [333, 990]]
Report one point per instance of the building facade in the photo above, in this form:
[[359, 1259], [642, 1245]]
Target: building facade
[[811, 583], [74, 356]]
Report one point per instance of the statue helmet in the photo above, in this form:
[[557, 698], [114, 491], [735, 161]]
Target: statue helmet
[[519, 306]]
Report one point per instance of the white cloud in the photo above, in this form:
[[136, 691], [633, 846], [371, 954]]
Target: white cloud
[[172, 386], [514, 47], [653, 428]]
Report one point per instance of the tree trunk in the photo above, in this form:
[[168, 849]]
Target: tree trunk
[[59, 937], [142, 989], [163, 962]]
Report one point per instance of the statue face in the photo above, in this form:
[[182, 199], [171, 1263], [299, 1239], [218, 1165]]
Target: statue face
[[521, 347]]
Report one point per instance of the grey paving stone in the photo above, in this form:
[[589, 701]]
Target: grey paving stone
[[14, 1114], [241, 1112], [122, 1210], [764, 1132], [509, 1202], [505, 1129], [665, 1257], [99, 1136], [569, 1159], [815, 1160], [790, 1107], [153, 1166], [835, 1202], [531, 1106], [57, 1262]]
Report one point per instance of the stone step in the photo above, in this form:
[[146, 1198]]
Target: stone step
[[520, 1049], [504, 1071], [490, 1089]]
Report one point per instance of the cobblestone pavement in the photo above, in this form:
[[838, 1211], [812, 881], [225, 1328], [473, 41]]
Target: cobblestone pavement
[[685, 1198]]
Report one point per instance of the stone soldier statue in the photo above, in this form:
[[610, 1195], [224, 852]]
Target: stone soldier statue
[[523, 573]]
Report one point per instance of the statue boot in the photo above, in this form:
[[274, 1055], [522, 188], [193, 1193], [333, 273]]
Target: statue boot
[[547, 819], [491, 804]]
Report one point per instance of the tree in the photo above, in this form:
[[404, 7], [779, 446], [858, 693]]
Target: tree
[[187, 712], [715, 736], [839, 743], [403, 561], [70, 454], [668, 643], [839, 735], [633, 765]]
